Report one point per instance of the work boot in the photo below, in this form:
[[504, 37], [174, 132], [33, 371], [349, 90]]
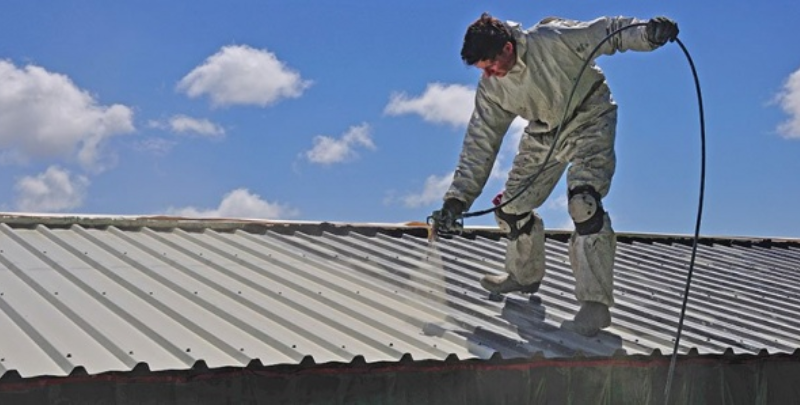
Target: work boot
[[591, 318], [506, 283]]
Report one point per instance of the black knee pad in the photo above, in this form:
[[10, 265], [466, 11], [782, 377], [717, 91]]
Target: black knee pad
[[586, 210]]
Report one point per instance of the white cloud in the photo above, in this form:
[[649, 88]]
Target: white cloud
[[789, 99], [433, 191], [453, 105], [508, 151], [514, 134], [329, 150], [182, 124], [436, 186], [439, 104], [239, 74], [155, 146], [559, 202], [240, 203], [53, 190], [45, 115]]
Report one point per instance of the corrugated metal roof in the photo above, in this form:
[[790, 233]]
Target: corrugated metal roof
[[106, 294]]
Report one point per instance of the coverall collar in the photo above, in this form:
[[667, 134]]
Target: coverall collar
[[521, 48]]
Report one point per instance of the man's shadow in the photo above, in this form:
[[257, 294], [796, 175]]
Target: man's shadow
[[542, 334]]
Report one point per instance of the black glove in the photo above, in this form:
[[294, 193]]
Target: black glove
[[660, 30], [446, 220]]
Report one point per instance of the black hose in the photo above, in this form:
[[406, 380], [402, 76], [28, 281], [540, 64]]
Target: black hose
[[530, 180], [674, 358]]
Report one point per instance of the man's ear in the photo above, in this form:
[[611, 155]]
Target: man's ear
[[508, 47]]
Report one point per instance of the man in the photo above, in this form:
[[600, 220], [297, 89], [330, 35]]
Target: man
[[531, 74]]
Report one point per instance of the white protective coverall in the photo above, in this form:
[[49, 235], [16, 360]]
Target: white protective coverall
[[549, 58]]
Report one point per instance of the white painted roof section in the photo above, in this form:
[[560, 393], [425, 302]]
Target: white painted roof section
[[106, 294]]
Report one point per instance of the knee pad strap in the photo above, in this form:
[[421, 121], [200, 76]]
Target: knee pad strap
[[512, 223]]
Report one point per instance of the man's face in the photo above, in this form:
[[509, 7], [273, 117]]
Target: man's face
[[501, 64]]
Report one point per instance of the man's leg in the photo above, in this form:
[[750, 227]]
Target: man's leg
[[591, 248], [524, 264], [592, 259], [525, 257], [592, 245]]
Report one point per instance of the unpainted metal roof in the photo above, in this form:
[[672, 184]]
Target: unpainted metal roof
[[106, 294]]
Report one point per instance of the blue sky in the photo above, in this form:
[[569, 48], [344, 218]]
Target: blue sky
[[354, 111]]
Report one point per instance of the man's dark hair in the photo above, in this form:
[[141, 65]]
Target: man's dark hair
[[485, 39]]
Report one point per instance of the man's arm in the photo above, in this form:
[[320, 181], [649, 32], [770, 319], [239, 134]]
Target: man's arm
[[584, 36], [485, 132]]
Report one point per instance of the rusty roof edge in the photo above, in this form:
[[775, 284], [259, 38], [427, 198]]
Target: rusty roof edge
[[11, 380], [260, 226]]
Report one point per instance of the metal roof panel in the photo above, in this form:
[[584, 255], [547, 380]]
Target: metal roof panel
[[109, 294]]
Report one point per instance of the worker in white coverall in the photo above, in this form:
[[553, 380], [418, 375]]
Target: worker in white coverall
[[530, 74]]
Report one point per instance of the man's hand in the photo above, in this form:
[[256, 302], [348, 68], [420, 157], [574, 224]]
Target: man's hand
[[660, 30], [446, 220]]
